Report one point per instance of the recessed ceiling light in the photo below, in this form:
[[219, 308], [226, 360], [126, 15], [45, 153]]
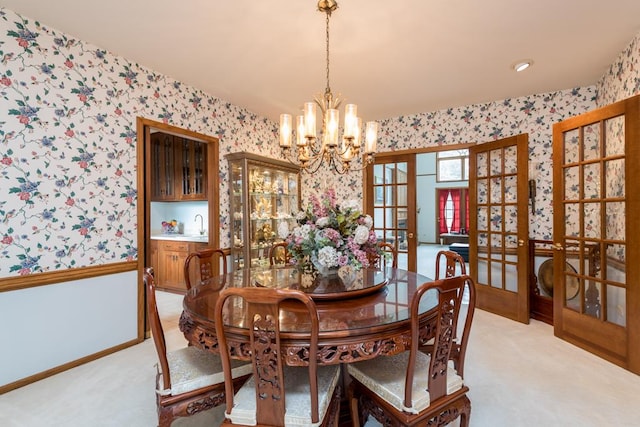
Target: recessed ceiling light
[[522, 65]]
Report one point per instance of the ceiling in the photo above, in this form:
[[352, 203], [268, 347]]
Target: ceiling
[[390, 57]]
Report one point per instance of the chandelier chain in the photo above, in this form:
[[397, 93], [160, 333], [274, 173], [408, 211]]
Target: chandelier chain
[[328, 89]]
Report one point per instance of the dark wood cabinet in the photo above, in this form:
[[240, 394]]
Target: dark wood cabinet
[[178, 168]]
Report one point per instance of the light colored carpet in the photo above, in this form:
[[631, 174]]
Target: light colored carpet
[[518, 375]]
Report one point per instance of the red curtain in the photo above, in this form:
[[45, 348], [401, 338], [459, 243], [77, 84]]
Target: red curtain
[[466, 211], [455, 196], [442, 203]]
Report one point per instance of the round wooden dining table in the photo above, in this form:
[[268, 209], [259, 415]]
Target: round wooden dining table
[[363, 314]]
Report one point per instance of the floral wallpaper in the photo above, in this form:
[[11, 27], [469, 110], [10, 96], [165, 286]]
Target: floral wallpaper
[[622, 79], [68, 146], [68, 143]]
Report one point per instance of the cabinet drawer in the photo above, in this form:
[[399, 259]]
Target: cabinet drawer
[[174, 246]]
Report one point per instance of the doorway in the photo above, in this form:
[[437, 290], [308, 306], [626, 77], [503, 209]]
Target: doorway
[[499, 226], [595, 228], [145, 128]]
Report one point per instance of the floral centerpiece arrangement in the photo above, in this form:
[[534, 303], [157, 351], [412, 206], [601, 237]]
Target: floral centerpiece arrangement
[[331, 235]]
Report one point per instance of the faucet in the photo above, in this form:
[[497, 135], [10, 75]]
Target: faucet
[[201, 223]]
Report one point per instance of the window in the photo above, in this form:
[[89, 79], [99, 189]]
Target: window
[[452, 165]]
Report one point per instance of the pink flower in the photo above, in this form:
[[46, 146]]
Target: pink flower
[[23, 119], [69, 133], [7, 240], [119, 233], [5, 81], [23, 43], [6, 161], [24, 196], [83, 164], [70, 202], [68, 63], [84, 231]]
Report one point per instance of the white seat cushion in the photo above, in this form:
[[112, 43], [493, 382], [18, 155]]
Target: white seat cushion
[[297, 397], [192, 368], [385, 376]]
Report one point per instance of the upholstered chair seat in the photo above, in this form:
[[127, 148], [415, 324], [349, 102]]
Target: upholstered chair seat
[[192, 369], [188, 380], [386, 376], [298, 398]]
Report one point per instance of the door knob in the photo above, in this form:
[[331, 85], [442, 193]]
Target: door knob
[[520, 242], [558, 247], [411, 235]]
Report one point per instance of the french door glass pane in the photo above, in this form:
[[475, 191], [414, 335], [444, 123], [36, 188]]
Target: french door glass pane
[[614, 178], [571, 146], [591, 143], [614, 134]]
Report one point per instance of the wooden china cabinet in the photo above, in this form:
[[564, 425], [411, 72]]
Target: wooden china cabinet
[[265, 196]]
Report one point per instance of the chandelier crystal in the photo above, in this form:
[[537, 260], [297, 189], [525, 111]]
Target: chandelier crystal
[[311, 151]]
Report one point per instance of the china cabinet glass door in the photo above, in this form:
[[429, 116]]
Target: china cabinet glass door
[[265, 196]]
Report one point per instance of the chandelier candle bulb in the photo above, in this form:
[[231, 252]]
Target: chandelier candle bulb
[[301, 141], [356, 135], [332, 120], [309, 119], [370, 144], [350, 120], [285, 130]]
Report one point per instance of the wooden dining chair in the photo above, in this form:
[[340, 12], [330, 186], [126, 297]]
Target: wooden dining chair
[[206, 265], [277, 394], [453, 262], [188, 380], [453, 265], [279, 254], [388, 258], [413, 388]]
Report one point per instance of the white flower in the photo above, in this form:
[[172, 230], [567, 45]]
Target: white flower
[[361, 235], [322, 222], [283, 229], [301, 215], [368, 221], [351, 204], [302, 232], [328, 256]]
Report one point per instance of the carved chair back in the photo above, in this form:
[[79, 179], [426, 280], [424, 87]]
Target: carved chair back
[[389, 257], [279, 254], [262, 307], [453, 260], [207, 262], [449, 311]]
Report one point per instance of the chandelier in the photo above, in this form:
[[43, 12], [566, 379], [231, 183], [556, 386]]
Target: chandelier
[[312, 151]]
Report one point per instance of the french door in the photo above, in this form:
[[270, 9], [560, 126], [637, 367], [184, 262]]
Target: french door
[[390, 198], [596, 228], [499, 226]]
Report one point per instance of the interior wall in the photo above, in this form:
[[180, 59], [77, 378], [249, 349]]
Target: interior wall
[[622, 79], [48, 326], [69, 160]]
